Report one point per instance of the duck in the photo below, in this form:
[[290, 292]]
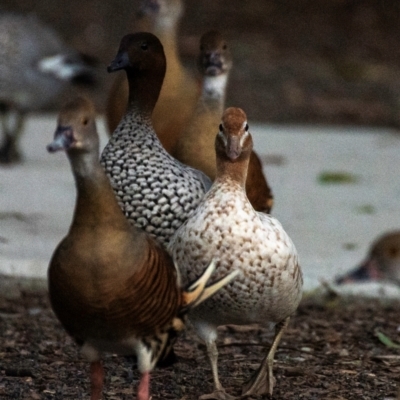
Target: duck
[[112, 286], [269, 286], [180, 89], [155, 191], [195, 145], [35, 67], [381, 264]]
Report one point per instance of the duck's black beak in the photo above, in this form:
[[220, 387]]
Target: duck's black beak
[[367, 271], [212, 64], [121, 61], [147, 7], [63, 139]]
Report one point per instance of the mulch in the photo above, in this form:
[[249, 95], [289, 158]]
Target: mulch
[[330, 351]]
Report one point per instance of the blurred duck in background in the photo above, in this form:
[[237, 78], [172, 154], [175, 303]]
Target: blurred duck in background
[[195, 145], [35, 67], [381, 264]]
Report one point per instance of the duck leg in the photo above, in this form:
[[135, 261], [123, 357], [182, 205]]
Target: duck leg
[[96, 380], [262, 381], [9, 152], [219, 392], [144, 387]]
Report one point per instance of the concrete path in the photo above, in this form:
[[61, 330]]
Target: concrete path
[[332, 225]]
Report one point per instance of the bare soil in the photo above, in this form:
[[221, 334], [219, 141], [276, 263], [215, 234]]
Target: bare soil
[[330, 351]]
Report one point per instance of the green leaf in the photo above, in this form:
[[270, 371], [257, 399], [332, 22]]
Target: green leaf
[[387, 341], [366, 209], [336, 177]]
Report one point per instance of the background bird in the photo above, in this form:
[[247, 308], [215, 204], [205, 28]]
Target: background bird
[[112, 286], [179, 91], [381, 264], [195, 146], [35, 67], [156, 192], [269, 288]]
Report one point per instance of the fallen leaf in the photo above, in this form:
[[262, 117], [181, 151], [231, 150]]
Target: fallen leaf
[[387, 341]]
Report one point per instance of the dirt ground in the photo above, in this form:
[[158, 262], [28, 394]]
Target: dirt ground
[[313, 61], [331, 351]]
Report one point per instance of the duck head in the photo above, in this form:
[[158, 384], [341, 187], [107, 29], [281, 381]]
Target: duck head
[[381, 264], [233, 141], [142, 56], [160, 14], [139, 52], [76, 129], [215, 57]]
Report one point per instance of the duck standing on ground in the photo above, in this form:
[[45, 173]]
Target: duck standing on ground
[[35, 66], [155, 191], [195, 146], [180, 90], [381, 264], [226, 226], [112, 286]]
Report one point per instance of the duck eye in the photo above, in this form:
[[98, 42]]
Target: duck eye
[[144, 46], [225, 46], [246, 127], [201, 48], [220, 127], [85, 121]]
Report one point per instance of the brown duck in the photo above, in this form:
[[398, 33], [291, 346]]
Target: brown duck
[[195, 146], [179, 91], [113, 287]]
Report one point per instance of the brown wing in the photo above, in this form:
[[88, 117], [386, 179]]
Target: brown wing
[[95, 299], [258, 191]]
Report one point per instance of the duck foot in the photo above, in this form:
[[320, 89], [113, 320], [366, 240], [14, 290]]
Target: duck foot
[[260, 383], [217, 395]]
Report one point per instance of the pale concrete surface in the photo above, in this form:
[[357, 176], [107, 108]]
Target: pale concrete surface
[[331, 225]]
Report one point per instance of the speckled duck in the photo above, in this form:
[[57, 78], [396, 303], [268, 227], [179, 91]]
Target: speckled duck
[[225, 225], [155, 191], [180, 90]]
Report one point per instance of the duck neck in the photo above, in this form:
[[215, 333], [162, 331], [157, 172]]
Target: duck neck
[[214, 88], [96, 203], [144, 89], [233, 171]]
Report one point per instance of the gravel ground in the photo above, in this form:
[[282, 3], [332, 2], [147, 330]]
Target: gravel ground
[[330, 351]]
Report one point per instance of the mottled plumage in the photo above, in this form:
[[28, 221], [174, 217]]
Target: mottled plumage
[[112, 286], [195, 146], [180, 90], [381, 264], [156, 192], [227, 226], [35, 66]]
